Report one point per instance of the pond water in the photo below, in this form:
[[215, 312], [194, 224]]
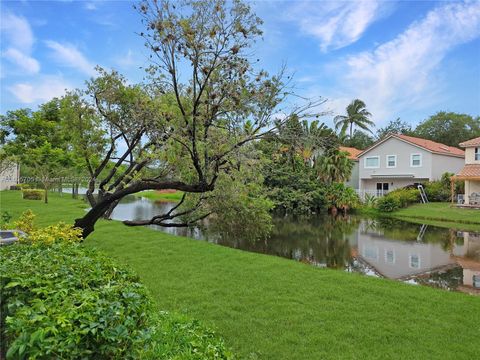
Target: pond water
[[417, 254]]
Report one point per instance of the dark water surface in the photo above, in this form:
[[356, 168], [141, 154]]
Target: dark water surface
[[418, 254]]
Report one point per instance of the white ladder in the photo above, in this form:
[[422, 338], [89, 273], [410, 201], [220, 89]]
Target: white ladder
[[423, 194]]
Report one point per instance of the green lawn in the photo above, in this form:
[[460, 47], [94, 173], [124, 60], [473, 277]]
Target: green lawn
[[272, 308], [442, 214], [158, 196]]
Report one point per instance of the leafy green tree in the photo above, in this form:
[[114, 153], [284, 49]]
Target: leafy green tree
[[396, 126], [449, 128], [357, 116], [47, 164], [38, 141], [359, 140], [188, 128]]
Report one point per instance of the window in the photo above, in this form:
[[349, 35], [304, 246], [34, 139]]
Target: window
[[416, 160], [390, 256], [382, 189], [476, 281], [370, 252], [391, 161], [415, 261], [477, 154], [372, 162]]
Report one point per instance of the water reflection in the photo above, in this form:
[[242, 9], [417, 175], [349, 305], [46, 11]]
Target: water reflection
[[419, 254]]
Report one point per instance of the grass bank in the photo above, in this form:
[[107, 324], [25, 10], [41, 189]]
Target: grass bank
[[271, 308], [437, 214], [161, 196]]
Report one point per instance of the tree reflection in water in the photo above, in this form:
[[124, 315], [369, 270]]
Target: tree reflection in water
[[323, 241]]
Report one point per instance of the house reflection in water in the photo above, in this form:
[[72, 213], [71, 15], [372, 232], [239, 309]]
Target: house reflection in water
[[446, 259], [469, 259]]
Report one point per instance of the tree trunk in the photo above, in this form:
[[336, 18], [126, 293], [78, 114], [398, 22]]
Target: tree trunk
[[76, 190], [87, 223], [73, 190], [108, 213], [46, 195], [351, 131]]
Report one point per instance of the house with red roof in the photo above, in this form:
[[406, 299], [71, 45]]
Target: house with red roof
[[398, 160], [470, 172]]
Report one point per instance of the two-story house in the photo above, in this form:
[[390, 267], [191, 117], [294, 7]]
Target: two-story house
[[471, 171], [397, 161]]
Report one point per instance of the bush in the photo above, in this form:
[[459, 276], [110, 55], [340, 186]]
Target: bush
[[15, 187], [341, 197], [388, 203], [65, 301], [370, 201], [437, 191], [405, 197], [32, 194]]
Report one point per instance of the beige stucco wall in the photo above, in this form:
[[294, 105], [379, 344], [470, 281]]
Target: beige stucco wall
[[432, 168], [471, 187], [403, 152], [442, 164], [354, 177], [470, 156], [9, 177]]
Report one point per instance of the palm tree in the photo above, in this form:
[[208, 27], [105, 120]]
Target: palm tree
[[357, 115], [334, 166]]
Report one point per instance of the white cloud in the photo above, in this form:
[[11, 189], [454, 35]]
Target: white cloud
[[68, 55], [17, 30], [25, 62], [337, 24], [404, 73], [90, 6], [41, 90], [17, 33]]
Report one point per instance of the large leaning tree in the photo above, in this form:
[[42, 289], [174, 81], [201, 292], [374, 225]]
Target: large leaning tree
[[191, 125]]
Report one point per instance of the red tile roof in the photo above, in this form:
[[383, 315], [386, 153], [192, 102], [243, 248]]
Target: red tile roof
[[432, 145], [470, 170], [352, 152], [472, 142]]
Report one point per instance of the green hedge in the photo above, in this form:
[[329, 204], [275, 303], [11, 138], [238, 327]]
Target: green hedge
[[33, 194], [65, 301], [397, 199]]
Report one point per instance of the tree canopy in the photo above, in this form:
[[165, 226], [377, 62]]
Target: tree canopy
[[449, 128], [189, 128], [396, 126]]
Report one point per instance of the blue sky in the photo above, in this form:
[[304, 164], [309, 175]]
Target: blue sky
[[405, 59]]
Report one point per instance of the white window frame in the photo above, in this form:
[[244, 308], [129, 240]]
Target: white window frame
[[394, 166], [411, 160], [476, 154], [386, 256], [371, 167], [410, 261]]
